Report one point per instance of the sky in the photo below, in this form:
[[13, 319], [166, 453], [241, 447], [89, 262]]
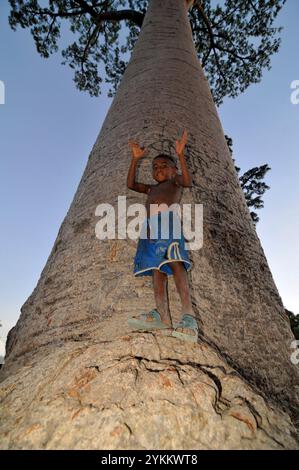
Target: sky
[[47, 130]]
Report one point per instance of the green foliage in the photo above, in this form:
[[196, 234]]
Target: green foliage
[[294, 322], [254, 188], [236, 43], [234, 40], [252, 184]]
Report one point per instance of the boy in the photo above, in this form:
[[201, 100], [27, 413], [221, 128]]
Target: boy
[[165, 255]]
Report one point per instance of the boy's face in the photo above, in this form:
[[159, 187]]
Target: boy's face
[[163, 169]]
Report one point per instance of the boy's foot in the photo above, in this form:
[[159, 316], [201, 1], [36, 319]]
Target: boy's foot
[[187, 329], [148, 321]]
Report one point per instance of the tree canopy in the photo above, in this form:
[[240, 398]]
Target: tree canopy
[[234, 39]]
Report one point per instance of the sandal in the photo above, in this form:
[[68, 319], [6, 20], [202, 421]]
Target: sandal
[[148, 321], [187, 322]]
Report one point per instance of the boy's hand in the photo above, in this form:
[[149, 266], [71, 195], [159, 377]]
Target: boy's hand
[[137, 152], [180, 144]]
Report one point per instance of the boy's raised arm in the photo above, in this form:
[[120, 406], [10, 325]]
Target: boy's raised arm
[[137, 154], [185, 178]]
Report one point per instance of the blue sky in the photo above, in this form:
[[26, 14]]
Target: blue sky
[[47, 129]]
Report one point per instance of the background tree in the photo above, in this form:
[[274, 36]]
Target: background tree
[[252, 184], [294, 322], [234, 41]]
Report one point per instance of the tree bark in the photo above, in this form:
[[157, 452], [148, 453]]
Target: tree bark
[[87, 288]]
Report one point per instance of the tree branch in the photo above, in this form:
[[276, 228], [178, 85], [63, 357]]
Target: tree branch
[[90, 41], [87, 8], [50, 30], [211, 36], [131, 15], [45, 11], [233, 53], [112, 15]]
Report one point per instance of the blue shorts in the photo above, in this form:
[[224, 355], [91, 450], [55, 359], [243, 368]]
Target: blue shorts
[[161, 243]]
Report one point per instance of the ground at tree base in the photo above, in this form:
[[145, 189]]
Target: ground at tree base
[[137, 390]]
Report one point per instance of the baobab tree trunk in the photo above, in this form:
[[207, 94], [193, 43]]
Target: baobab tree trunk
[[73, 327]]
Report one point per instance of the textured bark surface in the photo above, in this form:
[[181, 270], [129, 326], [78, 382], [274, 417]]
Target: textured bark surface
[[88, 283], [136, 391]]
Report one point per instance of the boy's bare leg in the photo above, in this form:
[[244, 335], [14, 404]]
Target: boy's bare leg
[[181, 281], [161, 296], [182, 285]]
